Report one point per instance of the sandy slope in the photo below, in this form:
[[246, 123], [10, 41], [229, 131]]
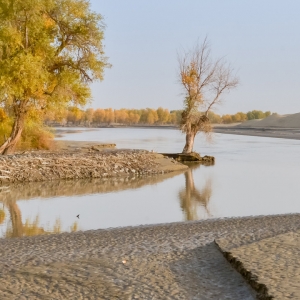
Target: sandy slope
[[278, 121], [276, 126]]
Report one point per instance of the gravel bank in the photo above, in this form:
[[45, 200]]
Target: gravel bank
[[172, 261], [91, 163]]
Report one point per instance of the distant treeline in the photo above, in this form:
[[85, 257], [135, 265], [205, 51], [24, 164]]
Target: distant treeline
[[147, 116]]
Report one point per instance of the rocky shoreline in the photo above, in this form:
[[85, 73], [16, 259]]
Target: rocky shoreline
[[92, 162]]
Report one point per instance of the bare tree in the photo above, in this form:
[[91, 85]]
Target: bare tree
[[204, 81]]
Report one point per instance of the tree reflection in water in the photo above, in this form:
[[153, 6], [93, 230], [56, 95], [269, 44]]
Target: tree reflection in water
[[11, 194], [16, 228], [191, 197]]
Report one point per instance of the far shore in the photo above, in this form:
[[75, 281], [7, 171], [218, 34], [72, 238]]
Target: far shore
[[274, 132], [283, 133]]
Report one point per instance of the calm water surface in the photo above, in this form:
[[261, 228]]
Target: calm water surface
[[252, 176]]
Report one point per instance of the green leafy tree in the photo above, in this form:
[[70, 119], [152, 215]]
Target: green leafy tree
[[50, 50]]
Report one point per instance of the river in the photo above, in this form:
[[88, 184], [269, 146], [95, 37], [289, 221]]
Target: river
[[251, 176]]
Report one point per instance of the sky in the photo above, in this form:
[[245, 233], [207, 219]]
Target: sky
[[260, 39]]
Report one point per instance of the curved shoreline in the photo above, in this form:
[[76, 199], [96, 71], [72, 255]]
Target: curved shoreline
[[167, 261], [93, 162]]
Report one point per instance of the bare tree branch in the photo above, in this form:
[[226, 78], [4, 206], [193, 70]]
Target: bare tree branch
[[204, 81]]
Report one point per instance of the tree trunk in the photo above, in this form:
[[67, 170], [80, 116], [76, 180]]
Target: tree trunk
[[189, 142], [10, 144]]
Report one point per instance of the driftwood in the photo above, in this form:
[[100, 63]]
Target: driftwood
[[45, 166]]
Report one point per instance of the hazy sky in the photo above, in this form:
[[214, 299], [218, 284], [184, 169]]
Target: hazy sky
[[259, 38]]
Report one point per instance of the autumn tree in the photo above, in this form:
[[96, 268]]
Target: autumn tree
[[74, 115], [172, 118], [99, 116], [88, 116], [121, 116], [50, 50], [152, 116], [227, 119], [204, 81], [214, 118], [163, 115], [109, 115], [133, 117], [239, 117]]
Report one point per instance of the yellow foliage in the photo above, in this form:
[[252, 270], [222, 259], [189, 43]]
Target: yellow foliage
[[74, 227], [3, 115], [34, 136], [32, 228], [2, 216], [48, 21]]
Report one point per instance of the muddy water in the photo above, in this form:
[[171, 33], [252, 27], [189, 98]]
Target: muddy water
[[252, 176]]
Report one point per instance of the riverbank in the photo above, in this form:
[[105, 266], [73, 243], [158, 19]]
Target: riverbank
[[236, 128], [283, 133], [169, 261], [90, 161]]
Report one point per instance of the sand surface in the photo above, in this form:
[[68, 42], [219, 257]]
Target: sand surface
[[270, 265], [171, 261], [276, 126], [293, 134], [275, 121]]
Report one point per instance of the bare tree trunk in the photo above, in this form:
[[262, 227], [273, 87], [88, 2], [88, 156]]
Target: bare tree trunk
[[10, 144], [189, 142]]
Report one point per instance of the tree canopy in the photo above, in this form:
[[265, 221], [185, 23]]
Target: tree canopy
[[50, 51]]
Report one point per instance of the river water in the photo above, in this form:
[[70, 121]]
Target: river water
[[251, 176]]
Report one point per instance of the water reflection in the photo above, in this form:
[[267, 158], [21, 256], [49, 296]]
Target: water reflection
[[11, 195], [59, 188], [16, 228], [192, 198]]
